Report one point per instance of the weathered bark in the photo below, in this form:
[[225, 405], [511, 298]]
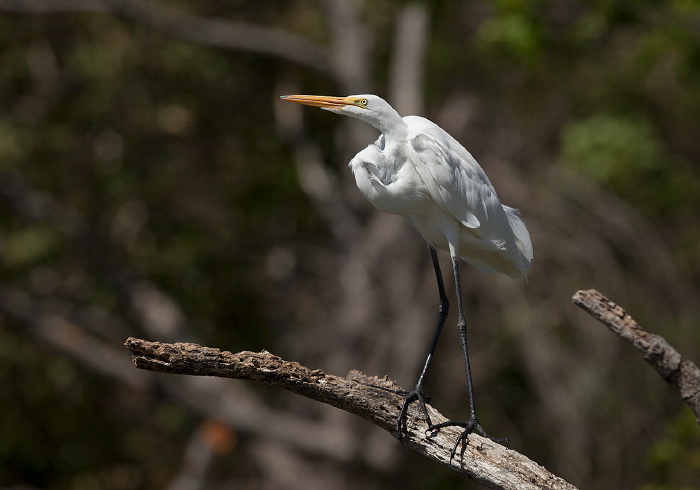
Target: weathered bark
[[372, 398], [683, 374]]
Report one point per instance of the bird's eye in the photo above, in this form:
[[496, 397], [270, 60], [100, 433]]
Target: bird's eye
[[363, 102]]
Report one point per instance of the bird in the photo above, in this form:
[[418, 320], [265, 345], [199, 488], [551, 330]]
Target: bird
[[417, 170]]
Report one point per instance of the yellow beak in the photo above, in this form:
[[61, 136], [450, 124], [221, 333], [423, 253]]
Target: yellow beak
[[320, 100]]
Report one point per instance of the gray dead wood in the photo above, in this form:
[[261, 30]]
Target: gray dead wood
[[487, 462], [681, 373]]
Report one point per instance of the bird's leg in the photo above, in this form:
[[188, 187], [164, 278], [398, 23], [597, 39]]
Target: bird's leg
[[417, 392], [471, 425]]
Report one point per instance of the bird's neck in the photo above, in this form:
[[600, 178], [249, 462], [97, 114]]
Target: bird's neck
[[393, 128], [395, 136], [386, 120]]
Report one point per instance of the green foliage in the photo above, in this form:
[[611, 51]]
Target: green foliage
[[10, 144], [675, 458], [606, 148], [514, 30], [29, 246], [628, 155]]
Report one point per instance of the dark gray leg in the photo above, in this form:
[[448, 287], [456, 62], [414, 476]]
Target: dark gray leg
[[471, 425], [417, 392]]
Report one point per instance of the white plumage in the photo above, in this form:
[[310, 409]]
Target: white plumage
[[437, 185], [417, 170]]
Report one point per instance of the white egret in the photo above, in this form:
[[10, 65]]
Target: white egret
[[417, 170]]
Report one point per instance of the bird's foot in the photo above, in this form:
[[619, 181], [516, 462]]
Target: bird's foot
[[470, 426], [409, 396]]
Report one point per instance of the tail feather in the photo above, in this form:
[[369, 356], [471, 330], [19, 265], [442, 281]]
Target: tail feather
[[522, 237]]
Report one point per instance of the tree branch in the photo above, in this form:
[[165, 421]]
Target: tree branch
[[241, 36], [371, 398], [683, 374]]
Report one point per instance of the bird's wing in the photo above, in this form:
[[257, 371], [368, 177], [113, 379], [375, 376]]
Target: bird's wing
[[453, 178]]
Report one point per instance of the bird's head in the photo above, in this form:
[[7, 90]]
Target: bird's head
[[369, 108]]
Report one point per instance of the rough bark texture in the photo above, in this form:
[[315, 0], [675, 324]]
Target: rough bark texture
[[683, 374], [371, 398]]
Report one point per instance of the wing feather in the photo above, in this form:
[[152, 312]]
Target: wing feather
[[460, 187], [452, 176]]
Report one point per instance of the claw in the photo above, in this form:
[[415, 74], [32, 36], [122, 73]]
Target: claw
[[415, 394], [470, 426]]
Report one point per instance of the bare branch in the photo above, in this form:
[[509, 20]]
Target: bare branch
[[69, 330], [158, 313], [371, 398], [352, 40], [683, 374], [408, 62], [52, 6], [213, 32], [59, 330]]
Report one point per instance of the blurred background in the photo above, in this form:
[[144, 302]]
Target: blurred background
[[152, 184]]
